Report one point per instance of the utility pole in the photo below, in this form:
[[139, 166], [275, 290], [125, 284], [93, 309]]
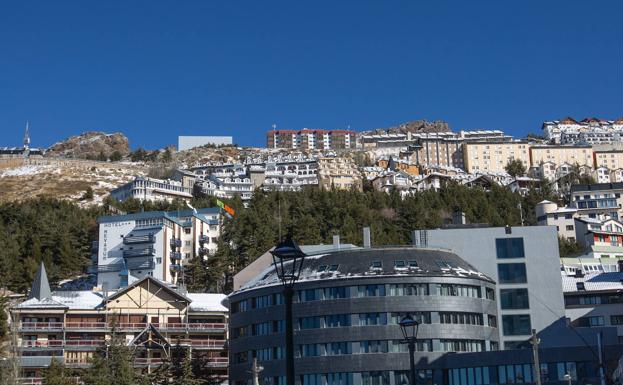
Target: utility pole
[[535, 341], [602, 376]]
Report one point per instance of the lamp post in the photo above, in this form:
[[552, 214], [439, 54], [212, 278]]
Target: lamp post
[[288, 260], [409, 327]]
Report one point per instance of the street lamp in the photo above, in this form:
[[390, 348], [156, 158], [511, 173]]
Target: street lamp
[[288, 260], [409, 327]]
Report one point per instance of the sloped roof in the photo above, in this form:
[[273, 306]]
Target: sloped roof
[[40, 286], [206, 302], [568, 120], [593, 282], [152, 280]]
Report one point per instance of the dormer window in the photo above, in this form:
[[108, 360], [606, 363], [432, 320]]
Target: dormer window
[[580, 286], [413, 264], [333, 267], [376, 265], [400, 264], [322, 268]]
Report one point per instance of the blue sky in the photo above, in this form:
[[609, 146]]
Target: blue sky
[[157, 69]]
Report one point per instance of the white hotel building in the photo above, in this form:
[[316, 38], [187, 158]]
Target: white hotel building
[[156, 243], [150, 189]]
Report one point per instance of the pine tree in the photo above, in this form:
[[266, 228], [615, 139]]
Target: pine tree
[[58, 374], [112, 366]]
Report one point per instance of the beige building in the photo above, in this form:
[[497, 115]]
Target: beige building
[[493, 157], [152, 318], [612, 160], [339, 173], [558, 155]]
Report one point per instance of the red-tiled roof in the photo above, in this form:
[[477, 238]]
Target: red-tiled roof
[[568, 120]]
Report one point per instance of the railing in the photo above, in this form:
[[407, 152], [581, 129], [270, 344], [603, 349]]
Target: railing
[[60, 343], [41, 325], [175, 242], [121, 326], [138, 239], [175, 267], [218, 344], [139, 253], [175, 255], [204, 239]]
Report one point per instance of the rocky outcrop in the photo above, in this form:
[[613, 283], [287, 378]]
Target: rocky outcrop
[[91, 145], [415, 126]]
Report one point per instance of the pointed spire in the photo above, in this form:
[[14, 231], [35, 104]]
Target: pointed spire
[[40, 286], [27, 135]]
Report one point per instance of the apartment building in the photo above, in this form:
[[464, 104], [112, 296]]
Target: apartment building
[[594, 300], [601, 238], [399, 165], [156, 243], [597, 200], [525, 264], [339, 173], [488, 157], [553, 162], [549, 214], [289, 173], [149, 316], [150, 189], [228, 187], [586, 131], [311, 139]]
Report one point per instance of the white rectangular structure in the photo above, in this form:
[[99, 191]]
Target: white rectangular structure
[[188, 142]]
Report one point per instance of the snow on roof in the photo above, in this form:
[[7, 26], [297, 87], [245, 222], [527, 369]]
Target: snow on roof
[[206, 302], [593, 282], [83, 299]]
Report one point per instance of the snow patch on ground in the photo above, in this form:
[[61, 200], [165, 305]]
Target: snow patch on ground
[[23, 171]]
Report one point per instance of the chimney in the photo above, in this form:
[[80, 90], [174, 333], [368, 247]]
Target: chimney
[[336, 241], [366, 238]]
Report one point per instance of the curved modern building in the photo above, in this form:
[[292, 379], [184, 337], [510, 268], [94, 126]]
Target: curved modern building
[[346, 310]]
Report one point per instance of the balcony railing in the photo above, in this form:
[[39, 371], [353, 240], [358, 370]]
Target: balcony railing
[[175, 255], [199, 344], [175, 242], [175, 267], [139, 239], [204, 239], [25, 326], [60, 343], [139, 253]]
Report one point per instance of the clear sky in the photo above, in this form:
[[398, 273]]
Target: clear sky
[[157, 69]]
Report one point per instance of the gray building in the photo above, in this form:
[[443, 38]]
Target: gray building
[[525, 264], [346, 312], [188, 142]]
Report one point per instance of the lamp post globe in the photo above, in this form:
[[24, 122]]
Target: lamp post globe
[[288, 260]]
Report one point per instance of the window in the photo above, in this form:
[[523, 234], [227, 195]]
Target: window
[[400, 289], [333, 267], [512, 273], [370, 319], [322, 268], [461, 345], [373, 346], [516, 325], [490, 293], [460, 318], [509, 248], [337, 320], [371, 290], [589, 321], [309, 323], [458, 290], [413, 264], [376, 265], [568, 216], [423, 317], [514, 298], [187, 230], [400, 264], [492, 321], [580, 286], [336, 292], [569, 227], [616, 319]]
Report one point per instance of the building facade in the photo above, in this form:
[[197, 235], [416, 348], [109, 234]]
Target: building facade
[[347, 307], [150, 189], [586, 131], [597, 200], [308, 139], [339, 173], [149, 316], [156, 244], [549, 214], [525, 264], [487, 157]]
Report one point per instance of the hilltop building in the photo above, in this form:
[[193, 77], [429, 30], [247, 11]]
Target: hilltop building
[[339, 173], [25, 151], [157, 244], [311, 139], [586, 131], [150, 316], [188, 142], [151, 189], [487, 157]]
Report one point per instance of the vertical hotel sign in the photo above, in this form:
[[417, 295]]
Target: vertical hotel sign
[[105, 235]]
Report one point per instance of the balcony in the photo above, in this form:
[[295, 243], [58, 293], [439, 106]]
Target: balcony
[[175, 268], [175, 255], [202, 344], [139, 239], [175, 242], [195, 327], [204, 239], [203, 251], [41, 326], [107, 268], [141, 265], [56, 344], [139, 253]]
